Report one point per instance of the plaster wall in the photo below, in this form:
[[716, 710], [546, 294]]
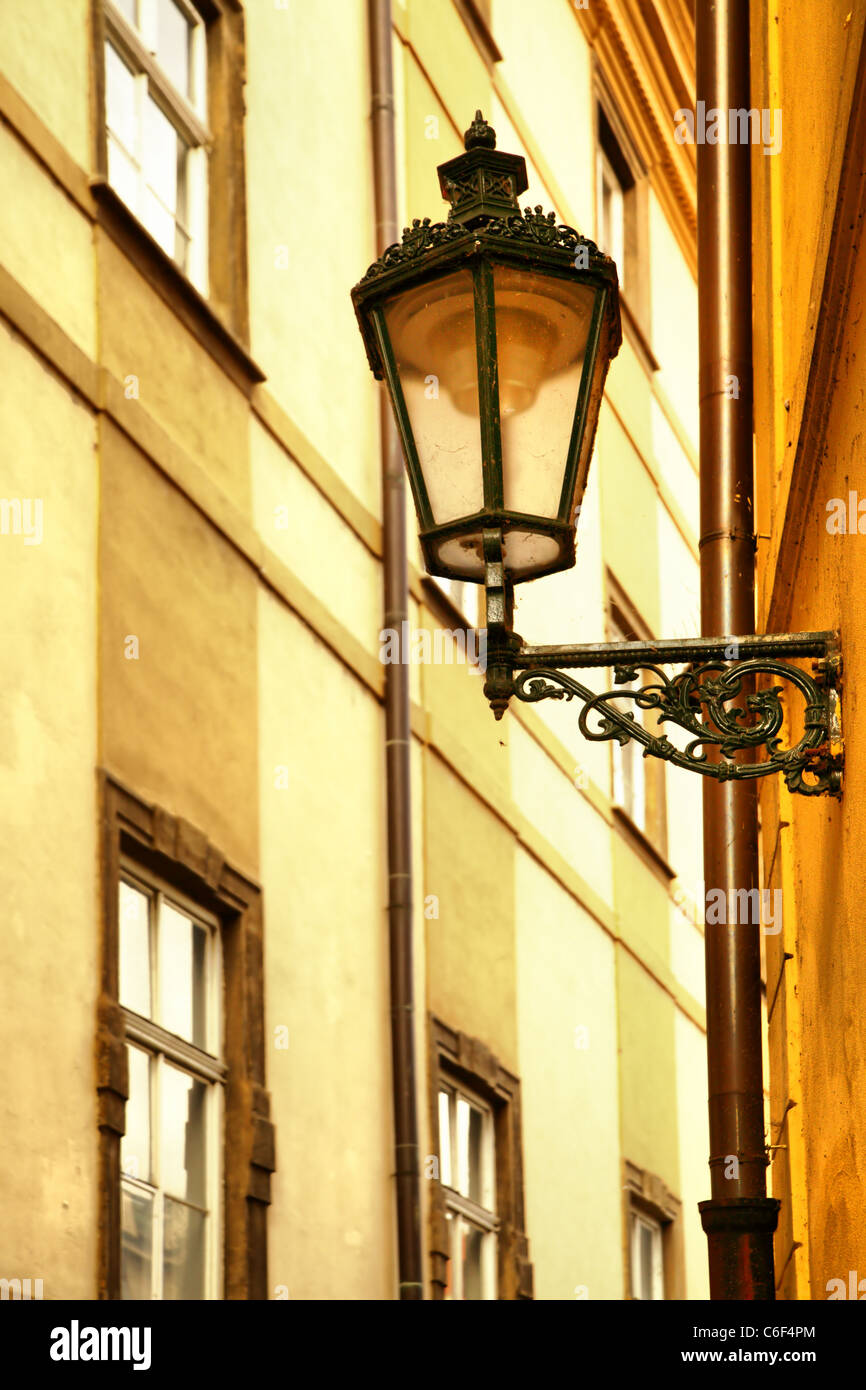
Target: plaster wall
[[49, 946]]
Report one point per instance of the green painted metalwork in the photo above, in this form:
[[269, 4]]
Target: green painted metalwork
[[407, 438], [574, 448], [739, 719], [488, 386]]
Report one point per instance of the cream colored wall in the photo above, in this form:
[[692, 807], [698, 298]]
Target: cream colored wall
[[545, 75], [174, 380], [571, 1143], [46, 50], [326, 972], [178, 719], [690, 1054], [47, 243], [309, 190], [49, 961]]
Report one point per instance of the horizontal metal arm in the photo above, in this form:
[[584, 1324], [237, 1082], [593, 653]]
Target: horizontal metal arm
[[667, 650]]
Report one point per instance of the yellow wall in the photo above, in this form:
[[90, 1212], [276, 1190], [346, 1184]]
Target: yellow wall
[[812, 847]]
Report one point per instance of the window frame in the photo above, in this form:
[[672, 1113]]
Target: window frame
[[461, 1209], [166, 1048], [624, 623], [628, 765], [612, 243], [466, 1065], [151, 843], [186, 115], [651, 1203], [615, 148], [640, 1221]]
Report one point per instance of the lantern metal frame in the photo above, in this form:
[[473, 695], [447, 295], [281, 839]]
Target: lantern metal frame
[[486, 227]]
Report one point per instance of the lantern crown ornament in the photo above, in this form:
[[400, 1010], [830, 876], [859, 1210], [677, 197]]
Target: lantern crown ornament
[[493, 332]]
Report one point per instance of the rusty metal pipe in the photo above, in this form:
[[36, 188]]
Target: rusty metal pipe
[[739, 1219], [398, 732]]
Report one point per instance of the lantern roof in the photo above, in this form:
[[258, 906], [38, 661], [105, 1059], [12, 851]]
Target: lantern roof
[[484, 220]]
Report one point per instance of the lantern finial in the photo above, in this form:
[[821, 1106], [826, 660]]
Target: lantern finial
[[480, 135], [483, 183]]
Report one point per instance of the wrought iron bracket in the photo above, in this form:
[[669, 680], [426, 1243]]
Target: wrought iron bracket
[[723, 698]]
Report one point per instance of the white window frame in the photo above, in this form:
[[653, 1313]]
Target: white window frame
[[635, 804], [189, 118], [164, 1047], [640, 1221], [462, 1211], [611, 239]]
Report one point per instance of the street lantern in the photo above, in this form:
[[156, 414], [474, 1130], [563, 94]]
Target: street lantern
[[493, 332]]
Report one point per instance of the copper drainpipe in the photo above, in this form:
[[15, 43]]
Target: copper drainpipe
[[397, 727], [739, 1219]]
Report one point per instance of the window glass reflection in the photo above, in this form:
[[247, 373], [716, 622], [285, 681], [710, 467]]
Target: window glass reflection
[[182, 946], [182, 1135], [134, 952], [135, 1144], [172, 44], [183, 1251], [445, 1138], [472, 1239], [120, 98]]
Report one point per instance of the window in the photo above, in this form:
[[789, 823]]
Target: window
[[647, 1266], [611, 213], [622, 211], [478, 1248], [156, 123], [170, 993], [629, 764], [466, 1170], [180, 1054], [638, 782], [654, 1227]]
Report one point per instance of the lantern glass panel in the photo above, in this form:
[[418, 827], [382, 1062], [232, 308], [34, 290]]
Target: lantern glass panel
[[542, 327], [432, 332]]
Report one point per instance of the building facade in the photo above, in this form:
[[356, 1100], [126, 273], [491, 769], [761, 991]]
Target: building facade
[[197, 1098], [808, 210]]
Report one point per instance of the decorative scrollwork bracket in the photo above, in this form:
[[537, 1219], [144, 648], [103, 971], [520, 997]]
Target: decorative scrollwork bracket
[[723, 700]]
